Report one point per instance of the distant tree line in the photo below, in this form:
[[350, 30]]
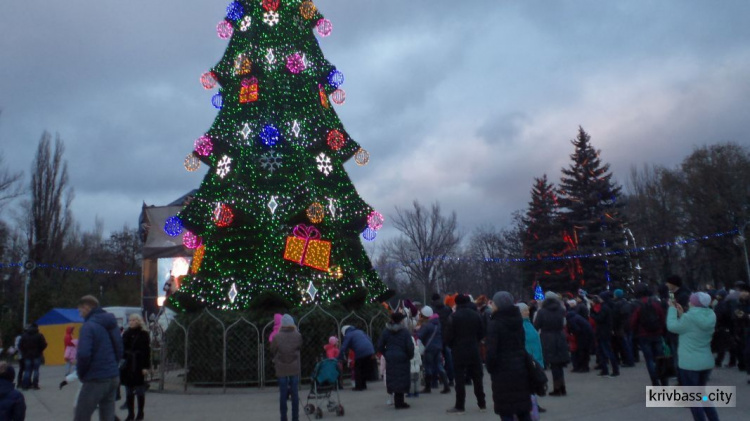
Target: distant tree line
[[37, 225], [586, 231]]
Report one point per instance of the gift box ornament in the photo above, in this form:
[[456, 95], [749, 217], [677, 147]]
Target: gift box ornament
[[249, 90], [306, 248]]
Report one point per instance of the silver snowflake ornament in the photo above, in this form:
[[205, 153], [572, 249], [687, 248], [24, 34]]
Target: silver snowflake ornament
[[270, 161], [224, 166], [245, 23], [324, 163]]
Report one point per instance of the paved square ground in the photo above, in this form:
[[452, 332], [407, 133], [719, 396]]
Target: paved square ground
[[589, 398]]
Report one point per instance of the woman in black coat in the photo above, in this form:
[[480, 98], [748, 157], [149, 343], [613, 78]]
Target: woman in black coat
[[137, 356], [550, 321], [397, 347], [506, 360]]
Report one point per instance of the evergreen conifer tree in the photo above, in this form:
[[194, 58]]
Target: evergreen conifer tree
[[590, 204]]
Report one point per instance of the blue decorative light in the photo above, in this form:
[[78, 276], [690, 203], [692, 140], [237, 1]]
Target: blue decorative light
[[173, 226], [270, 135], [335, 78], [217, 101], [369, 234], [538, 293], [235, 11]]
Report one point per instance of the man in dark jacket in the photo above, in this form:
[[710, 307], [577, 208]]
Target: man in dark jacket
[[622, 309], [724, 330], [648, 333], [32, 346], [99, 354], [463, 333], [584, 334], [360, 343], [680, 295], [601, 312], [12, 402]]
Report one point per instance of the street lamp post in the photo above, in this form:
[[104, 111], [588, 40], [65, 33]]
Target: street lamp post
[[29, 266], [740, 240]]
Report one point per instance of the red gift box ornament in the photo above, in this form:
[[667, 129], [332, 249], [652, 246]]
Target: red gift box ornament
[[306, 248]]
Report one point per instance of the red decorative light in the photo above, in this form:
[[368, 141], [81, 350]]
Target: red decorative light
[[336, 140], [271, 5], [223, 215]]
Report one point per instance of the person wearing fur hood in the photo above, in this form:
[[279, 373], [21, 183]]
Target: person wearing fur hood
[[397, 347]]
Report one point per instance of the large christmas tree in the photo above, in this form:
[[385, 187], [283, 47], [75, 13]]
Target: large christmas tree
[[592, 219], [276, 220]]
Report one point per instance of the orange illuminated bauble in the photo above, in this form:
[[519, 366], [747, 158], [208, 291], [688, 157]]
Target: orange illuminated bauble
[[307, 9], [315, 213]]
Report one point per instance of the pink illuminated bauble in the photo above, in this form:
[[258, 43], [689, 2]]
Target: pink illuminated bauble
[[295, 63], [224, 29], [324, 27], [375, 220], [204, 146], [191, 240], [208, 80], [338, 96]]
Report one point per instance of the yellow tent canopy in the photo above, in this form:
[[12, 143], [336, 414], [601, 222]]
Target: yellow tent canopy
[[53, 325]]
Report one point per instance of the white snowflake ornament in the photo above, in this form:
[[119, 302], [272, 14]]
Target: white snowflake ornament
[[271, 18], [224, 166], [245, 23], [324, 164]]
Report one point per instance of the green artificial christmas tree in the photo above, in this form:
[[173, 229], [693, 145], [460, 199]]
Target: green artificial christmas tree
[[276, 220], [591, 217]]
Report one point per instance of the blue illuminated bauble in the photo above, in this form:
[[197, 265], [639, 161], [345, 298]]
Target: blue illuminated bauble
[[235, 11], [173, 226], [369, 234], [217, 101], [269, 135], [335, 78]]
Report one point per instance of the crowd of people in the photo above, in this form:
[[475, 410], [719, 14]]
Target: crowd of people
[[680, 337]]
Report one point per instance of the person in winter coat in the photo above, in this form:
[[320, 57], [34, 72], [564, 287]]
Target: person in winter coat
[[99, 355], [285, 349], [506, 360], [361, 344], [415, 370], [12, 402], [581, 329], [464, 332], [647, 332], [695, 329], [137, 346], [724, 330], [601, 312], [397, 347], [622, 343], [681, 295], [332, 348], [32, 345], [443, 309], [431, 336], [71, 345], [550, 321]]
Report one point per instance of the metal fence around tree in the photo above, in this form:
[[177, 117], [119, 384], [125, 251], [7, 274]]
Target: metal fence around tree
[[214, 350]]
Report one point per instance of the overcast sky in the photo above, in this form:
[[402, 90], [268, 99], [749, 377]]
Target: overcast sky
[[460, 102]]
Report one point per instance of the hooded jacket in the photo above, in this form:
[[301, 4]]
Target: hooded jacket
[[99, 347], [431, 335], [696, 327], [550, 320], [357, 341], [12, 402], [285, 349], [464, 331], [397, 347]]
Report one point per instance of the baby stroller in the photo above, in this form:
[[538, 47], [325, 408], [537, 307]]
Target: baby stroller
[[325, 381]]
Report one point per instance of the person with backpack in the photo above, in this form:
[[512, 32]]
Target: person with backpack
[[648, 323]]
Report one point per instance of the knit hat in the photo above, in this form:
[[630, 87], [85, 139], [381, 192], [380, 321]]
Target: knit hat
[[426, 312], [344, 329], [397, 318], [674, 280], [721, 294], [572, 303], [502, 299], [450, 300], [287, 321], [700, 299], [522, 307], [333, 340], [462, 299], [550, 295], [619, 293]]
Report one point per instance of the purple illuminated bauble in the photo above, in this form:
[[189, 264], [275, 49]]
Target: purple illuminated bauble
[[204, 146], [235, 11], [295, 63], [173, 226], [369, 234], [191, 240], [324, 27], [224, 29], [217, 101]]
